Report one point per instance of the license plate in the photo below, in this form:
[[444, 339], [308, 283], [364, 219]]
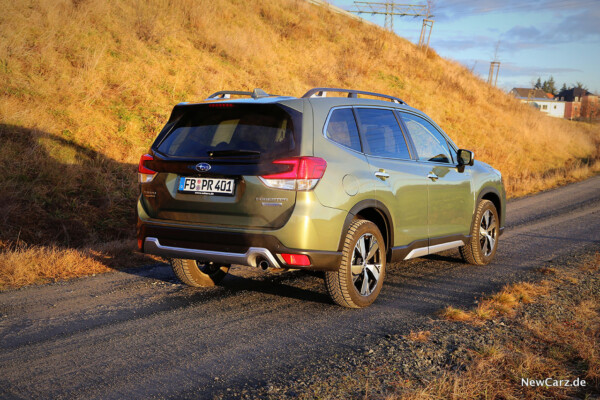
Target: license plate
[[207, 186]]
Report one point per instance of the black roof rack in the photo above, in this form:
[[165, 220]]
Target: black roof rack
[[322, 92], [225, 94]]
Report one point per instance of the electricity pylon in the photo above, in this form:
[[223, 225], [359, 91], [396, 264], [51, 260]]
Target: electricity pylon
[[390, 9], [427, 26], [494, 65]]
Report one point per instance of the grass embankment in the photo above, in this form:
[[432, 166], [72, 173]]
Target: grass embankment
[[87, 84]]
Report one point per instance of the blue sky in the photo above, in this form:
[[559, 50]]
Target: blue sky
[[535, 38]]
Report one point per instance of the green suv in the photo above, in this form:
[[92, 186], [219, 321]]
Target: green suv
[[339, 184]]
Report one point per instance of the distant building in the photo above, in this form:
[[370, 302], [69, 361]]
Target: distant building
[[541, 100], [580, 104]]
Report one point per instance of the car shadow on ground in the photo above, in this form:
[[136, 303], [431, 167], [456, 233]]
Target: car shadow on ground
[[293, 284]]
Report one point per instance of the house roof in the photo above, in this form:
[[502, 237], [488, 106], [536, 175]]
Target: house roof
[[570, 94], [529, 93]]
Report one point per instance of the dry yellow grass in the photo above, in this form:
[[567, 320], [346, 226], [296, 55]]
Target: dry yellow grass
[[420, 336], [87, 84], [25, 265], [502, 303], [561, 343]]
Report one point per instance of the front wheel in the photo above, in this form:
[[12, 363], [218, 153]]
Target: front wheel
[[483, 244], [198, 274], [359, 278]]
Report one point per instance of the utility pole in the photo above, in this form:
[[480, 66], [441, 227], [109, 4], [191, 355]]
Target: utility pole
[[427, 25], [494, 66], [390, 9]]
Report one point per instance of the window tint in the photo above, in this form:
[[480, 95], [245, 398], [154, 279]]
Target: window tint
[[266, 129], [381, 133], [342, 128], [430, 144]]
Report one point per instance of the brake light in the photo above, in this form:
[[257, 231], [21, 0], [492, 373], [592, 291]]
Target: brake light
[[145, 174], [303, 174], [220, 105], [296, 259]]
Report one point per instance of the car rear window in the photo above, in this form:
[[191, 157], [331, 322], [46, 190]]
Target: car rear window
[[342, 129], [208, 128]]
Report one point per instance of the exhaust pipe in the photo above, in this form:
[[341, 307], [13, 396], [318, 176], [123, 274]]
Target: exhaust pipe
[[263, 264]]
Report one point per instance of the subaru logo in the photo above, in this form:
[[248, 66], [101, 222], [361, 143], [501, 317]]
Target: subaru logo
[[202, 167]]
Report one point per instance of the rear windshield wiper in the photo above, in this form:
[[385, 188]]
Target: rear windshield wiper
[[233, 153]]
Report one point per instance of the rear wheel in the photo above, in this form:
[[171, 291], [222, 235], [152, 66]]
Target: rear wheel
[[483, 244], [198, 274], [359, 279]]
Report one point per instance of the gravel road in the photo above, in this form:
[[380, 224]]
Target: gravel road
[[140, 334]]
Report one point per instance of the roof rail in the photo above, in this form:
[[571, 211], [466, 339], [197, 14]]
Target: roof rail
[[322, 92], [226, 94]]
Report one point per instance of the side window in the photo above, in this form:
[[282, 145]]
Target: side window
[[342, 128], [430, 144], [381, 133]]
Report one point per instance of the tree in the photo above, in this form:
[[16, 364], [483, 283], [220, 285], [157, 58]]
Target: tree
[[549, 86], [564, 87], [580, 85], [538, 84]]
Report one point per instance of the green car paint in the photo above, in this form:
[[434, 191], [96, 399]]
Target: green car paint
[[419, 206]]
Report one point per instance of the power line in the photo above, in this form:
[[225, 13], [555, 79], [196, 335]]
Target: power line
[[390, 9]]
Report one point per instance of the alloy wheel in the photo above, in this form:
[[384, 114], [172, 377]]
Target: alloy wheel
[[487, 233], [366, 264]]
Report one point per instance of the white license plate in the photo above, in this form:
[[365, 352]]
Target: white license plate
[[209, 186]]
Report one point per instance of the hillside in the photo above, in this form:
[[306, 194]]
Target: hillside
[[87, 84]]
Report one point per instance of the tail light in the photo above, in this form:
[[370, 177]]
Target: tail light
[[303, 174], [145, 174], [296, 259]]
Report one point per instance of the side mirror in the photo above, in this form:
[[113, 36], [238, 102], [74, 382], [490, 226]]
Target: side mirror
[[465, 157]]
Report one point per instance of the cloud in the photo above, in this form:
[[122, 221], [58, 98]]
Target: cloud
[[523, 33], [461, 8]]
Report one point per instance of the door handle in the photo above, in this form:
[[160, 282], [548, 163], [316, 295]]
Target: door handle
[[433, 176], [382, 175]]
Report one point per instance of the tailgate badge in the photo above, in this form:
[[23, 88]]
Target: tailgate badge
[[202, 167]]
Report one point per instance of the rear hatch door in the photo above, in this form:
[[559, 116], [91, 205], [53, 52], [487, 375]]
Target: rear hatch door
[[209, 158]]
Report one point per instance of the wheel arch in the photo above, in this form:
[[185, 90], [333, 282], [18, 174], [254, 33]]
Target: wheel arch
[[376, 212], [492, 194]]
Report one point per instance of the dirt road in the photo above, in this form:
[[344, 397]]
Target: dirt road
[[140, 334]]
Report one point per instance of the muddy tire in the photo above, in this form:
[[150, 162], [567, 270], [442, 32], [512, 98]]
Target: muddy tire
[[359, 278], [198, 274], [485, 230]]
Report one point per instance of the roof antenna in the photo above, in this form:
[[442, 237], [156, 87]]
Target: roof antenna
[[258, 93]]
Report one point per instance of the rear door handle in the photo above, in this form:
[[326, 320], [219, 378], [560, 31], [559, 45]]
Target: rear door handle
[[432, 176], [381, 175]]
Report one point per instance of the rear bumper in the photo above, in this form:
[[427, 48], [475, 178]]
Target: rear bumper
[[226, 247], [252, 257]]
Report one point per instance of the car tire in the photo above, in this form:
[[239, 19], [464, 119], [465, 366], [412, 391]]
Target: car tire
[[359, 278], [198, 274], [485, 229]]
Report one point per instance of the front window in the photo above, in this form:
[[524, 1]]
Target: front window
[[430, 144]]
